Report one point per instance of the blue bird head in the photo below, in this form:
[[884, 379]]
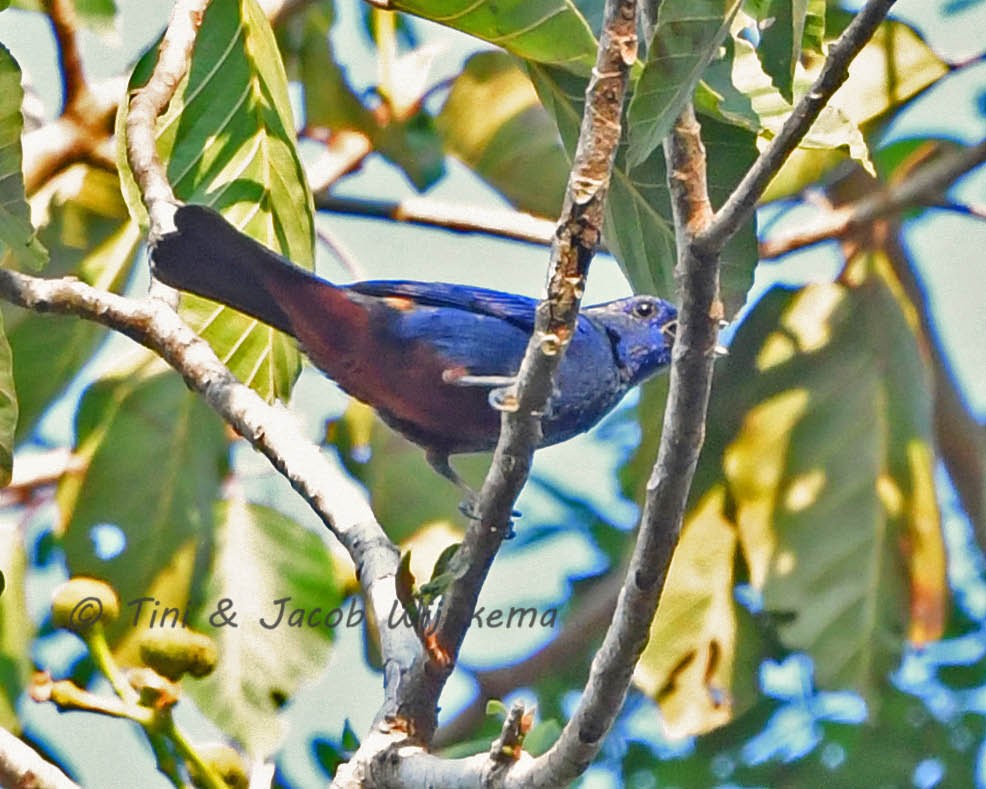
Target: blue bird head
[[641, 330]]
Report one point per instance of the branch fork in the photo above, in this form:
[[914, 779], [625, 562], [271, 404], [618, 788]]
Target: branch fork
[[393, 752]]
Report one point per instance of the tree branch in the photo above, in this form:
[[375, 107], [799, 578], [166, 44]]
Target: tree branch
[[588, 620], [387, 760], [503, 223], [923, 187], [343, 152], [742, 202], [82, 131], [338, 501], [22, 766], [72, 137], [35, 472], [150, 101], [154, 323], [697, 275], [65, 25], [576, 239]]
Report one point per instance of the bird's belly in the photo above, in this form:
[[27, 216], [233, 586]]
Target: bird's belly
[[405, 386]]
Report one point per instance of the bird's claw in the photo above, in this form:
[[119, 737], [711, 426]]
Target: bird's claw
[[469, 507], [459, 377], [504, 399]]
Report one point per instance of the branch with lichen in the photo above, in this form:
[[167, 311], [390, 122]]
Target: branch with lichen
[[925, 186], [576, 239]]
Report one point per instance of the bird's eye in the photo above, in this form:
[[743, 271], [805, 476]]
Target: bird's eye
[[643, 309]]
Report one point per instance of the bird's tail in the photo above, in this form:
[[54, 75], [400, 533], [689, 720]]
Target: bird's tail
[[208, 256]]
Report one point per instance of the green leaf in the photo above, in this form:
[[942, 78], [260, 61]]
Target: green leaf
[[830, 500], [8, 409], [688, 664], [814, 32], [349, 740], [330, 101], [155, 455], [16, 627], [389, 466], [228, 140], [639, 227], [414, 145], [17, 235], [782, 31], [494, 122], [553, 32], [539, 739], [50, 349], [892, 68], [98, 15], [685, 38], [744, 95], [328, 756], [262, 557]]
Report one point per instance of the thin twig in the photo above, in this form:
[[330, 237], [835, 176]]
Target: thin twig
[[65, 25], [71, 138], [505, 748], [924, 186], [150, 101], [35, 471], [342, 253], [974, 210], [502, 223], [743, 200], [344, 152]]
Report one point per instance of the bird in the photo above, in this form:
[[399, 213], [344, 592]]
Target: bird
[[429, 357]]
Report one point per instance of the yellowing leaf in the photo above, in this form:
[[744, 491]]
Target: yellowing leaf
[[688, 663], [816, 482]]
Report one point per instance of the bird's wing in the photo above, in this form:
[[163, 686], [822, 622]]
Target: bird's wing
[[509, 307]]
